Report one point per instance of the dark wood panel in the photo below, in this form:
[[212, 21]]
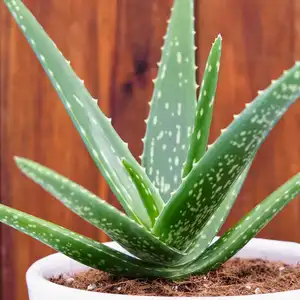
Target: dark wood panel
[[114, 46], [141, 26], [3, 70]]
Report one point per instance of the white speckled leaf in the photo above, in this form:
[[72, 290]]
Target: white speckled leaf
[[209, 182], [215, 223], [199, 138], [78, 247], [126, 232], [238, 236], [173, 105], [101, 140]]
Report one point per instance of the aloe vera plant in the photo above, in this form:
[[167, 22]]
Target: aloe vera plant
[[177, 200]]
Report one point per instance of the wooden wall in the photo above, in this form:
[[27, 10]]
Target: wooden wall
[[114, 45]]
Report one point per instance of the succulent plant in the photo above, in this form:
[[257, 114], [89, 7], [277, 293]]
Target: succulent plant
[[177, 199]]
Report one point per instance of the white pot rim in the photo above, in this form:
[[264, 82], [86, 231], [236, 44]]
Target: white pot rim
[[56, 264]]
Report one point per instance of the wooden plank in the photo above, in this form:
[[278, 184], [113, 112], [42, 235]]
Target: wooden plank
[[36, 126], [6, 272], [258, 44], [294, 156]]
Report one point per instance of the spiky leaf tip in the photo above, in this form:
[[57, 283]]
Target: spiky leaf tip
[[199, 138], [173, 104]]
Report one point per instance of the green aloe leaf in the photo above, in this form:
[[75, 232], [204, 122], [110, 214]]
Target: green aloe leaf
[[78, 247], [210, 180], [126, 232], [238, 236], [173, 106], [100, 138], [215, 223], [199, 138], [144, 191]]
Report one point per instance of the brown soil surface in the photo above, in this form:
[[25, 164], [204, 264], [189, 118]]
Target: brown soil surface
[[236, 277]]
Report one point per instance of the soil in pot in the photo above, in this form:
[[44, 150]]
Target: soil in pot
[[235, 277]]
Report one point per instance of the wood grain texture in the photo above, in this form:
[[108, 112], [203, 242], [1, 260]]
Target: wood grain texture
[[258, 44], [35, 125], [114, 46]]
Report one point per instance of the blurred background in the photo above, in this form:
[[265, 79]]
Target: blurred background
[[114, 46]]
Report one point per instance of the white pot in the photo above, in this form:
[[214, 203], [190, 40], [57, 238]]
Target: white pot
[[41, 289]]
